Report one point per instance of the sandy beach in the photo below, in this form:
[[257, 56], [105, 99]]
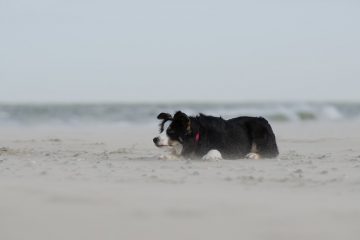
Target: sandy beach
[[82, 86], [108, 182]]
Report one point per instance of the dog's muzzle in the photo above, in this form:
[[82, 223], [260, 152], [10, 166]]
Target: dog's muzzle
[[159, 142], [156, 141]]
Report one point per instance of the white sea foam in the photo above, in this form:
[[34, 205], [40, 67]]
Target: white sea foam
[[331, 112]]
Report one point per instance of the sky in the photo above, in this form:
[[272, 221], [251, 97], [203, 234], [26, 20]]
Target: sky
[[179, 51]]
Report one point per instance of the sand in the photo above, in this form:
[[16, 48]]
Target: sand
[[107, 182]]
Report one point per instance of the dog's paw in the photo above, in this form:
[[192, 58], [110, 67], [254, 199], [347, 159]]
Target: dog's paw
[[168, 157], [212, 155], [253, 156]]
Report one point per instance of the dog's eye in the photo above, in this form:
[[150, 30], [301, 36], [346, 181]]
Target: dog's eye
[[170, 131]]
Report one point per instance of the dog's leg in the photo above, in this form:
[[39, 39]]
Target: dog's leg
[[253, 153], [212, 155], [177, 149]]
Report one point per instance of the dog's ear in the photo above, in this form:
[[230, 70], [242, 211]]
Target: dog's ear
[[184, 119], [164, 116]]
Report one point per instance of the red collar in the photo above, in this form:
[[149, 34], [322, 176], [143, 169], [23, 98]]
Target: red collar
[[197, 137]]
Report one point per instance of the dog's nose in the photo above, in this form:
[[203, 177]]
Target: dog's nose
[[156, 140]]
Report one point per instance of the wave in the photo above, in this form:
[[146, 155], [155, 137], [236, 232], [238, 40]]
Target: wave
[[146, 113]]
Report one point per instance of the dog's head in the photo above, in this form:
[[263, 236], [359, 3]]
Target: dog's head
[[173, 130]]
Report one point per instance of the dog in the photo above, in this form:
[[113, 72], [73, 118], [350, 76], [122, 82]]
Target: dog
[[209, 137]]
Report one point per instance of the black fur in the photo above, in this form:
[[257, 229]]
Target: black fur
[[233, 138]]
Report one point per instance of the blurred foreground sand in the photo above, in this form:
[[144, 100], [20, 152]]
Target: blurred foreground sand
[[109, 183]]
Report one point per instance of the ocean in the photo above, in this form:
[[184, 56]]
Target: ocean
[[118, 113]]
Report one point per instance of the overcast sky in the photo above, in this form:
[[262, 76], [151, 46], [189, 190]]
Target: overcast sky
[[189, 50]]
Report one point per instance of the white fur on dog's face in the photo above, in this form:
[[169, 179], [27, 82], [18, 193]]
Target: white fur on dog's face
[[163, 137], [163, 140]]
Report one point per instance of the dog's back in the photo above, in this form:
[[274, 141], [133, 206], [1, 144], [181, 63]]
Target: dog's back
[[239, 136]]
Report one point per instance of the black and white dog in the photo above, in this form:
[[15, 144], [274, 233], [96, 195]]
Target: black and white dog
[[210, 137]]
